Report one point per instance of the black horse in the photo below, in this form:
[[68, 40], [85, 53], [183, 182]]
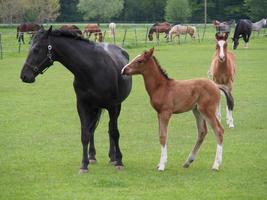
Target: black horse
[[242, 29], [97, 82]]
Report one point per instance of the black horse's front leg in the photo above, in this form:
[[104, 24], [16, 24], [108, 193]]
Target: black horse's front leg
[[114, 135], [89, 117]]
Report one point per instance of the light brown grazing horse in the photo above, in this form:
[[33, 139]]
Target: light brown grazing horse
[[93, 28], [178, 30], [168, 96], [157, 28], [222, 71], [71, 27]]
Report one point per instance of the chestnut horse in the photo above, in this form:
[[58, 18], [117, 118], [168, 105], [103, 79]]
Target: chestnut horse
[[30, 28], [72, 28], [222, 71], [93, 28], [169, 96], [163, 27], [178, 30]]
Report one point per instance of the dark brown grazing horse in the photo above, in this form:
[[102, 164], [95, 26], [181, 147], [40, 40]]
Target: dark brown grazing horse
[[222, 71], [168, 96], [30, 28], [71, 27], [93, 28], [157, 28]]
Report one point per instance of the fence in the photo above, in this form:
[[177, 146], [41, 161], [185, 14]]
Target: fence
[[126, 36]]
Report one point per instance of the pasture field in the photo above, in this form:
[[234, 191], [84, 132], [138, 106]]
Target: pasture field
[[40, 148]]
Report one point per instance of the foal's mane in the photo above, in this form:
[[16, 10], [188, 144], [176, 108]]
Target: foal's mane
[[69, 34], [162, 71]]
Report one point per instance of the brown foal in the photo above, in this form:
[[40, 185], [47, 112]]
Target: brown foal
[[222, 71], [168, 96]]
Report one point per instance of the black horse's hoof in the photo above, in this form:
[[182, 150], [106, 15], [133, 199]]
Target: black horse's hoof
[[92, 161], [113, 162], [83, 171], [119, 167]]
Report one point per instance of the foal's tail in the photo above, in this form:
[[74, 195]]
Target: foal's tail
[[228, 95]]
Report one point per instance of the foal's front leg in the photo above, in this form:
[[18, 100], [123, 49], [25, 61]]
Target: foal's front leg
[[163, 119]]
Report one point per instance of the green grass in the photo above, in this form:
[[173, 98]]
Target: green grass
[[40, 149]]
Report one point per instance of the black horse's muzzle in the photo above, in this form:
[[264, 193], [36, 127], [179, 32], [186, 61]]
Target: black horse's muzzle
[[27, 75]]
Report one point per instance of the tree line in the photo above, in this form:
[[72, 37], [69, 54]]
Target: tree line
[[175, 11]]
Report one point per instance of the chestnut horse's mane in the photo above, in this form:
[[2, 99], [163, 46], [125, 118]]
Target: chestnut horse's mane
[[162, 71]]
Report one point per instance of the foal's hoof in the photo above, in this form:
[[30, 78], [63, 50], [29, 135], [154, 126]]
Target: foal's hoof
[[83, 171], [92, 161]]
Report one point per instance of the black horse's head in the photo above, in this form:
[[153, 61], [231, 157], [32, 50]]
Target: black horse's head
[[235, 40], [39, 57]]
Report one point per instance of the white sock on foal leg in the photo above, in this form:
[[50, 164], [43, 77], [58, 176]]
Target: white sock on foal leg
[[163, 158], [229, 118], [218, 157]]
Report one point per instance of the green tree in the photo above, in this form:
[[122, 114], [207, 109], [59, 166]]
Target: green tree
[[177, 11], [100, 10], [257, 9], [69, 11]]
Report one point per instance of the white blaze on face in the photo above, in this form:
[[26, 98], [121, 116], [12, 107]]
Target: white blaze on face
[[221, 44], [129, 64]]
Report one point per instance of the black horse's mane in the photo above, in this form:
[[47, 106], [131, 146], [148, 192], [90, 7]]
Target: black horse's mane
[[69, 34], [162, 71]]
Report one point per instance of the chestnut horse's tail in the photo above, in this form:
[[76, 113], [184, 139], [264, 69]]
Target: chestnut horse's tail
[[228, 95]]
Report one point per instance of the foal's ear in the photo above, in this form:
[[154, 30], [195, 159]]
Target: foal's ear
[[226, 36], [149, 53]]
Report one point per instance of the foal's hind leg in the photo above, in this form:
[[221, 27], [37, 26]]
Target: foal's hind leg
[[202, 132], [114, 134], [219, 131]]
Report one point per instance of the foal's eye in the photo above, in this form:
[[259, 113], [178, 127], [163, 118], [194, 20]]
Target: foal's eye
[[139, 61]]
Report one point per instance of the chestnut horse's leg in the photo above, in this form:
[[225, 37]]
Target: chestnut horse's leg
[[202, 132], [163, 120], [218, 111]]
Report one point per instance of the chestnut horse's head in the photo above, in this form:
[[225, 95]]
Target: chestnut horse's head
[[221, 45], [138, 64]]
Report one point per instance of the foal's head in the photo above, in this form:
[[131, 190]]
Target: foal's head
[[138, 64], [221, 45]]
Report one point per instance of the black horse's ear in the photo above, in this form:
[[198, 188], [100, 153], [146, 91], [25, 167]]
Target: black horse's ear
[[48, 31]]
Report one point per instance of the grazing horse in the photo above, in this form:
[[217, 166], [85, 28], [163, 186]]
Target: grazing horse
[[169, 96], [243, 29], [71, 27], [222, 71], [112, 29], [157, 28], [30, 28], [223, 27], [257, 26], [98, 83], [178, 30], [95, 29]]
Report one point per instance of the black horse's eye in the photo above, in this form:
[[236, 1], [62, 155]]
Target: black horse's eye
[[36, 50]]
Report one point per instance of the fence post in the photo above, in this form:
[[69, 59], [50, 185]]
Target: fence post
[[157, 35], [135, 37], [104, 35], [124, 36], [146, 34], [114, 37]]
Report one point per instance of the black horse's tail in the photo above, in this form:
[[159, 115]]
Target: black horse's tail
[[228, 95]]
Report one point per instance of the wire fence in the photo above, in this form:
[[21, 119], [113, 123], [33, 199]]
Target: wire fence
[[126, 36]]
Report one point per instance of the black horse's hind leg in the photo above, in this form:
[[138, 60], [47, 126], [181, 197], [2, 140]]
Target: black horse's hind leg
[[114, 152], [89, 117]]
